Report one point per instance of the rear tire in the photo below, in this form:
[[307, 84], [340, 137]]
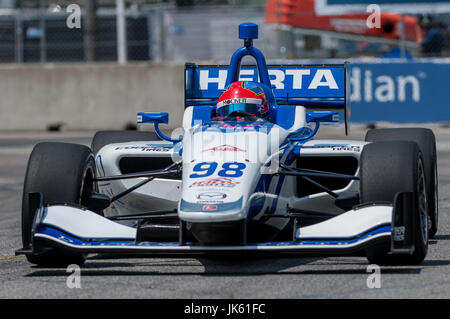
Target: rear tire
[[63, 173], [102, 138], [386, 169], [426, 141]]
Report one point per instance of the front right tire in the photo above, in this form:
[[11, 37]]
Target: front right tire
[[426, 141], [386, 169]]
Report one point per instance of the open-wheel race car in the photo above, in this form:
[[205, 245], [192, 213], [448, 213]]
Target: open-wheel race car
[[237, 183]]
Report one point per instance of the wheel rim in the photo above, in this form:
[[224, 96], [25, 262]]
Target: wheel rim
[[422, 201], [87, 184], [436, 196]]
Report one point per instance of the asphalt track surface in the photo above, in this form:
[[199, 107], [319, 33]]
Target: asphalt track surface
[[243, 277]]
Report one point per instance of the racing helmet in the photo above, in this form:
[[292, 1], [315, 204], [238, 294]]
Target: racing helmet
[[244, 96]]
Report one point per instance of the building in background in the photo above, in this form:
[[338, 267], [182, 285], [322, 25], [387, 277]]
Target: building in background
[[7, 4], [188, 30]]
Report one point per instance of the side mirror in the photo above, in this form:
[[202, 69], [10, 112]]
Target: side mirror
[[156, 119], [151, 118]]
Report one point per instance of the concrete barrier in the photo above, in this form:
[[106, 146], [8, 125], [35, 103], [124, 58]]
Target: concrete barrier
[[88, 96], [96, 96]]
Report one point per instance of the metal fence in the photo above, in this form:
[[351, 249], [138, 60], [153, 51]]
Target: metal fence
[[176, 34], [153, 33], [33, 36]]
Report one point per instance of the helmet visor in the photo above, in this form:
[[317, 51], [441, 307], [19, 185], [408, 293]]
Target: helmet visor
[[243, 107]]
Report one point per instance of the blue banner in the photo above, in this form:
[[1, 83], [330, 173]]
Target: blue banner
[[327, 7], [381, 2], [206, 82], [381, 91], [400, 92]]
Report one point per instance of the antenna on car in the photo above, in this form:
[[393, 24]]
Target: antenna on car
[[248, 31]]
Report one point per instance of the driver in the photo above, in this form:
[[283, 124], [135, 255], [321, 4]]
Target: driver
[[242, 101]]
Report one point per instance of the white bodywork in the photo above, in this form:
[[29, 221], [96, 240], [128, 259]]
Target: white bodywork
[[157, 194], [212, 191], [249, 146], [86, 231]]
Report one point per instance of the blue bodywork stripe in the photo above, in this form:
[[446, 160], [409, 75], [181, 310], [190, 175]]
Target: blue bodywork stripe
[[285, 116], [240, 126], [290, 158], [303, 132], [58, 234], [101, 164], [258, 203], [201, 113], [71, 239]]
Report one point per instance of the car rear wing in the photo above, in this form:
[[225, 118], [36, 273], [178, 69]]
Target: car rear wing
[[318, 87]]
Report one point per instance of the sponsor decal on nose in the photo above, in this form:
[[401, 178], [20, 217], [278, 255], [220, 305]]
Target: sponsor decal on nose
[[209, 207], [224, 148], [220, 181], [211, 195]]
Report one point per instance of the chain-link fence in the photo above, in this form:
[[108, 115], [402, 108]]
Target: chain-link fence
[[35, 36], [170, 33], [152, 33]]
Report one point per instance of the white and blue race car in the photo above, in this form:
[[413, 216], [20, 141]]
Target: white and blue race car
[[234, 186]]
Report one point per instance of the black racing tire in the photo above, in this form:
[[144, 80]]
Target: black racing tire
[[102, 138], [63, 173], [388, 168], [427, 143]]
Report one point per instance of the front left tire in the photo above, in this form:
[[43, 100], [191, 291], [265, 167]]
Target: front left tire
[[63, 173]]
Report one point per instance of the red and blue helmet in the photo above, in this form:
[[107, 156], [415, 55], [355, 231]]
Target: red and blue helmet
[[243, 96]]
